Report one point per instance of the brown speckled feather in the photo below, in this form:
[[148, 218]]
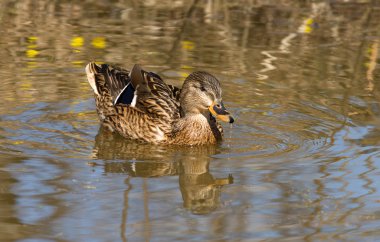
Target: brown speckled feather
[[155, 98]]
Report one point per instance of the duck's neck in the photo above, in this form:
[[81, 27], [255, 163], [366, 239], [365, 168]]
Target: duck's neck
[[195, 129]]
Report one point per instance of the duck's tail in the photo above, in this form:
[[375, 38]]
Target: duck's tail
[[92, 70]]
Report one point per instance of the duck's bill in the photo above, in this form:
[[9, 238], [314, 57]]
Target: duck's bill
[[220, 112]]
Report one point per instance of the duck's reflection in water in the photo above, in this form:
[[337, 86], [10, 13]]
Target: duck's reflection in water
[[200, 190]]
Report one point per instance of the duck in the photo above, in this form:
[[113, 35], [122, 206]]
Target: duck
[[139, 105]]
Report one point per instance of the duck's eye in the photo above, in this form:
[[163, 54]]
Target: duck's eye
[[203, 89], [218, 106]]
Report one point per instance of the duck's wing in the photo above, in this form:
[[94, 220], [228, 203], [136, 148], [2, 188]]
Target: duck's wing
[[119, 84], [141, 89], [175, 92], [153, 96]]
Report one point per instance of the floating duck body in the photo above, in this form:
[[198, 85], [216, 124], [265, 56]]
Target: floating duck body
[[140, 105]]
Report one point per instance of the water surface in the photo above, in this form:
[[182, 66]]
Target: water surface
[[301, 162]]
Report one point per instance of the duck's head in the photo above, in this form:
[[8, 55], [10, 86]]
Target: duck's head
[[201, 94]]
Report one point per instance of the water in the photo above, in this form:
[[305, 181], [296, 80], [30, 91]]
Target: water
[[301, 162]]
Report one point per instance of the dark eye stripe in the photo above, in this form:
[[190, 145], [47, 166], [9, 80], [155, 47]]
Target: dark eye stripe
[[220, 110]]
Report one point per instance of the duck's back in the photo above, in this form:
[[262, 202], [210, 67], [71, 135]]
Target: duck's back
[[154, 96], [136, 103]]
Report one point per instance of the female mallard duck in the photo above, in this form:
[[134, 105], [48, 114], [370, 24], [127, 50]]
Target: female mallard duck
[[140, 105]]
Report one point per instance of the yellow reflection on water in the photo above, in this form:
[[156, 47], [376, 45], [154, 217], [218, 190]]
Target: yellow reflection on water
[[77, 42], [99, 42], [32, 53], [78, 63], [31, 64], [307, 26], [32, 44], [188, 45], [32, 40]]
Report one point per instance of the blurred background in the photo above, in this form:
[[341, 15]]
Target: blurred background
[[301, 162]]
